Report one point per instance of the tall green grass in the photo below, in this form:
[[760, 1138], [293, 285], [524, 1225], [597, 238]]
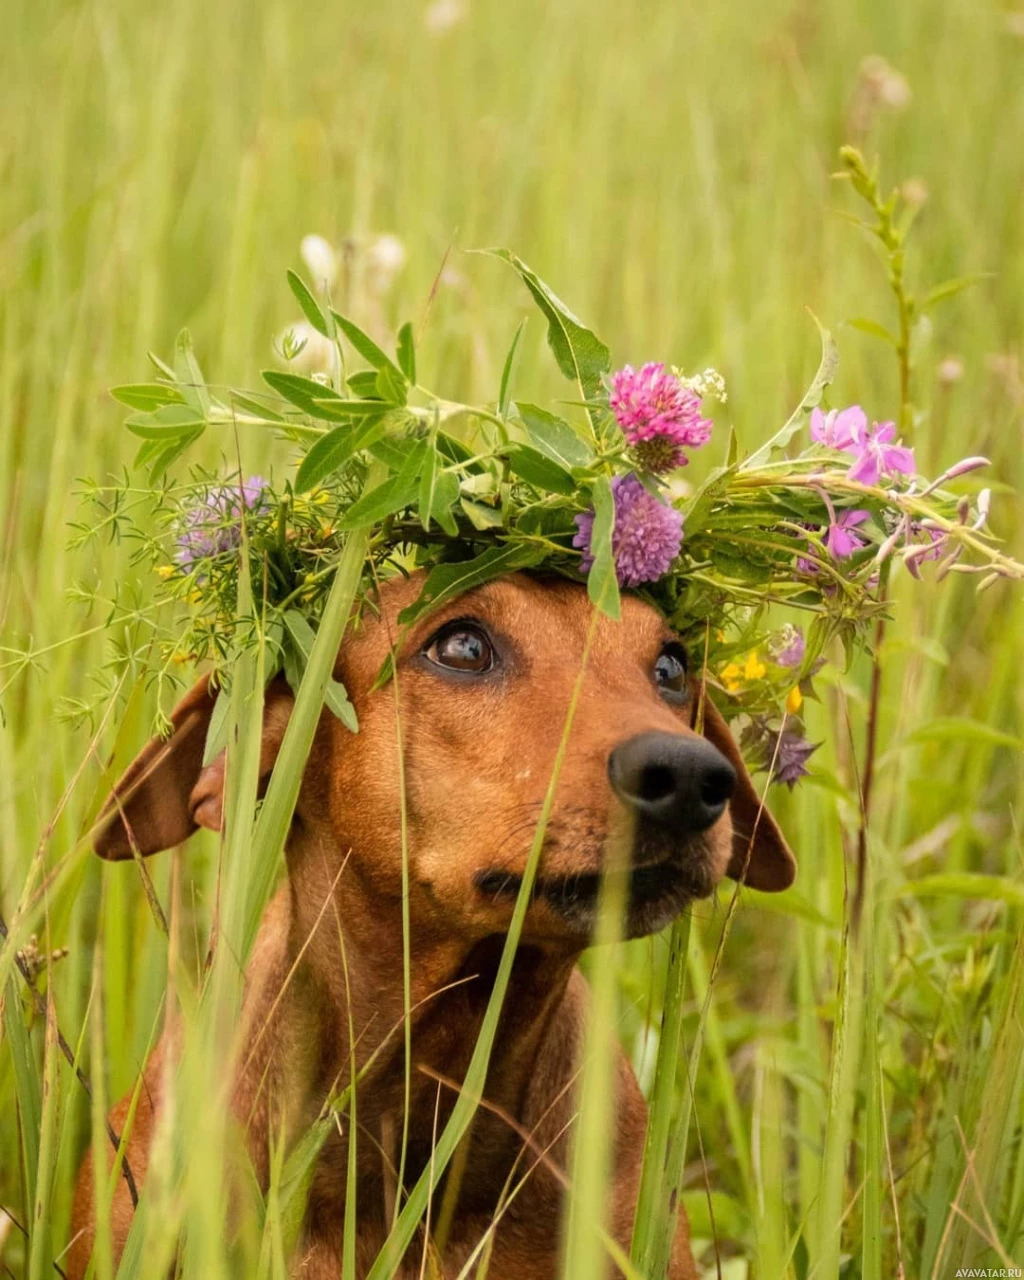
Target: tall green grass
[[857, 1103]]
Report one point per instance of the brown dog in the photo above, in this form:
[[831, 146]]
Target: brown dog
[[484, 686]]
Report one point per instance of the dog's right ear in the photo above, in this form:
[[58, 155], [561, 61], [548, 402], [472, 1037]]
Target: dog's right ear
[[166, 793]]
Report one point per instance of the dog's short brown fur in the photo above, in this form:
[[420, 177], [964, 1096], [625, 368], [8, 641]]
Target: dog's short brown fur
[[479, 752]]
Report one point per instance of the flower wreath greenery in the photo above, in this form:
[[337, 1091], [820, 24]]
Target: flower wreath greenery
[[814, 519]]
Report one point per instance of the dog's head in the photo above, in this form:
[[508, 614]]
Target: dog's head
[[652, 786]]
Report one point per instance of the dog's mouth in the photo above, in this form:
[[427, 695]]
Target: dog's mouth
[[656, 892]]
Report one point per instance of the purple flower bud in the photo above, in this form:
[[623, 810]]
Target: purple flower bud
[[790, 752], [214, 525]]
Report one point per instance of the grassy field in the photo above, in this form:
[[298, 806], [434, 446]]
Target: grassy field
[[666, 167]]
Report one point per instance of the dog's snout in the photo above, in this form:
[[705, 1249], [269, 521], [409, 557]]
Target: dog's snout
[[679, 782]]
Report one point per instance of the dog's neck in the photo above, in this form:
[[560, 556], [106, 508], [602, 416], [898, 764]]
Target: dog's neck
[[342, 969]]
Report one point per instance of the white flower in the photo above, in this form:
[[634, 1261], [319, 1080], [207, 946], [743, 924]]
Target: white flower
[[313, 353], [709, 385], [320, 259], [385, 258], [444, 14]]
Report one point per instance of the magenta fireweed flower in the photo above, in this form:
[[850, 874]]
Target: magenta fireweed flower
[[842, 540], [844, 429], [788, 647], [847, 430], [658, 415], [214, 525], [877, 457], [647, 536], [841, 536]]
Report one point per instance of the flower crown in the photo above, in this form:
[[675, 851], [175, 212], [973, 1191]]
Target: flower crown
[[813, 520]]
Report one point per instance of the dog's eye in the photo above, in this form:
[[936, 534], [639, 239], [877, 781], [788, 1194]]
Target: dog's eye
[[670, 671], [461, 647]]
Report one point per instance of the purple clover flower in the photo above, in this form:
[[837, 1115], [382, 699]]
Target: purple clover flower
[[658, 415], [647, 536], [214, 525], [788, 647]]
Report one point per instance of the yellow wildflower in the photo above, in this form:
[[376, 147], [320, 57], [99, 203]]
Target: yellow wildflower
[[794, 700], [164, 570], [753, 668], [731, 677]]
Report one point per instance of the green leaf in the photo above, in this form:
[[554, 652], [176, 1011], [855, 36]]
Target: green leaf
[[334, 449], [41, 1248], [257, 408], [481, 516], [580, 354], [788, 903], [966, 884], [508, 373], [147, 396], [165, 454], [26, 1085], [732, 452], [171, 421], [446, 494], [217, 730], [950, 288], [305, 394], [446, 581], [160, 366], [455, 451], [811, 399], [407, 352], [396, 492], [536, 469], [962, 730], [366, 346], [189, 376], [428, 482], [310, 306], [363, 384], [393, 451], [873, 328], [275, 815], [602, 584], [351, 408], [554, 437], [391, 387], [335, 697]]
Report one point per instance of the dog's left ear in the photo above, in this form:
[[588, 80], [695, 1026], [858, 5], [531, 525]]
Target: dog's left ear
[[760, 855], [167, 791]]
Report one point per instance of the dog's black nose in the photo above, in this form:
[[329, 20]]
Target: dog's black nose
[[675, 781]]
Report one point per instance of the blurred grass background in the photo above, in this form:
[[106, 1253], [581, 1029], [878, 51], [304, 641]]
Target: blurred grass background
[[666, 167]]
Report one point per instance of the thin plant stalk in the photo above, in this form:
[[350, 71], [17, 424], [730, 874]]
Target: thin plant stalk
[[465, 1107], [583, 1248]]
